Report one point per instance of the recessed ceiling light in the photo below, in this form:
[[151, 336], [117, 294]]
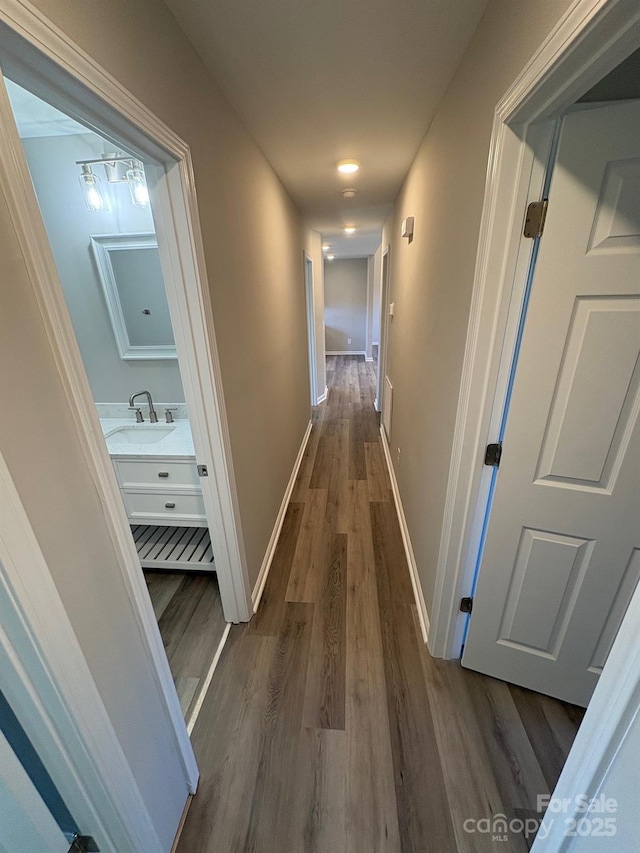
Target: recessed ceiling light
[[350, 229], [349, 192], [347, 167], [326, 247], [330, 257]]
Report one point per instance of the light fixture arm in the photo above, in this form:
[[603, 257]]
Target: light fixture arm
[[110, 161], [119, 169]]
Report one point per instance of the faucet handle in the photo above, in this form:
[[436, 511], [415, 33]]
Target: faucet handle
[[168, 413], [139, 418]]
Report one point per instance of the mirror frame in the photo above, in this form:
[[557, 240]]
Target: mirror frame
[[102, 245]]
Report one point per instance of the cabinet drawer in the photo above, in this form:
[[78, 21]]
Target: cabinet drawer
[[156, 472], [165, 508]]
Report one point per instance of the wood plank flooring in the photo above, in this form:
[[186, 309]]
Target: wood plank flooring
[[189, 613], [328, 727]]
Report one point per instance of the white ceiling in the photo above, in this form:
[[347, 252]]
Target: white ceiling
[[36, 118], [317, 81]]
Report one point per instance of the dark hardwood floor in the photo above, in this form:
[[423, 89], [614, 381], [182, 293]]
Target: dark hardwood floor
[[189, 613], [328, 727]]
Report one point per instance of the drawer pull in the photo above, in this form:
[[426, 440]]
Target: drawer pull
[[170, 506], [163, 473]]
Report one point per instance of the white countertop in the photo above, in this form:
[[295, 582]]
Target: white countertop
[[178, 443]]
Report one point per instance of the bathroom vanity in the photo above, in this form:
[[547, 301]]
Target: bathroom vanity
[[160, 490], [155, 466], [156, 469]]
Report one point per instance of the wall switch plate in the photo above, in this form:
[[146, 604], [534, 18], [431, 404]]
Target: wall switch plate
[[348, 340]]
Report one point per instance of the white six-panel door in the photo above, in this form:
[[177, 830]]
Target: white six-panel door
[[562, 554]]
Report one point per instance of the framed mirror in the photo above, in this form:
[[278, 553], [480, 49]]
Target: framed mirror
[[131, 276]]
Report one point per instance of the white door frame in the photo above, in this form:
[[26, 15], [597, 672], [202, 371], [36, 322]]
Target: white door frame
[[311, 325], [56, 69], [47, 682], [368, 334], [588, 42], [383, 343]]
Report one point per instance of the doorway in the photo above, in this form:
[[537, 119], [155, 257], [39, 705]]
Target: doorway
[[96, 209], [384, 389], [563, 523], [522, 138], [311, 327], [121, 120]]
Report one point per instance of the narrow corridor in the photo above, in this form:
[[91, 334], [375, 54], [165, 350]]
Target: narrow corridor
[[328, 726]]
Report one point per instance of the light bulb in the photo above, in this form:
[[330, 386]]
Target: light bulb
[[142, 194], [91, 191], [138, 185], [350, 229], [348, 167]]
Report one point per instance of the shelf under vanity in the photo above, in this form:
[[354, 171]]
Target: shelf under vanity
[[176, 548]]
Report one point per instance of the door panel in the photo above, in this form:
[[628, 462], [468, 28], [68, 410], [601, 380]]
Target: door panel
[[596, 395], [561, 556], [548, 572]]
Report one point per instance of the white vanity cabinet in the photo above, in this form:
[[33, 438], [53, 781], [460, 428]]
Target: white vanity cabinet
[[161, 490]]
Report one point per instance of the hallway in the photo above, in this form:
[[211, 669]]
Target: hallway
[[328, 726]]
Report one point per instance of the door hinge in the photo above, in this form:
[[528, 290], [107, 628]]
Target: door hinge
[[83, 844], [466, 605], [535, 218], [493, 454], [203, 471]]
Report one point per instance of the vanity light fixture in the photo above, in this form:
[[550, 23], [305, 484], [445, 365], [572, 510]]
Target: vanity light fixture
[[118, 169], [349, 229], [347, 167], [89, 182]]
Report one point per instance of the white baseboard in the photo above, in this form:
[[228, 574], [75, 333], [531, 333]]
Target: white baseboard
[[258, 589], [423, 616], [345, 352], [323, 397]]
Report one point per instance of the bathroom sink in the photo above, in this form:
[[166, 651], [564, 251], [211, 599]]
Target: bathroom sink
[[139, 434]]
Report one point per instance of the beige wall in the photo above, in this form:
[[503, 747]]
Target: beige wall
[[432, 278], [345, 304], [254, 239]]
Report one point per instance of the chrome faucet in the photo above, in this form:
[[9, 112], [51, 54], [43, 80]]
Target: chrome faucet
[[153, 417]]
